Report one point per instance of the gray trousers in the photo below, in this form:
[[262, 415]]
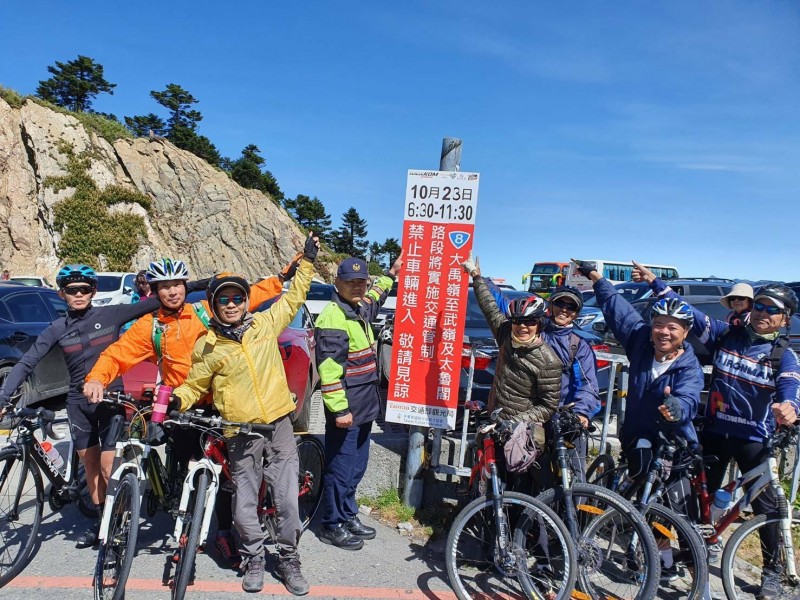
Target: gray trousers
[[273, 459]]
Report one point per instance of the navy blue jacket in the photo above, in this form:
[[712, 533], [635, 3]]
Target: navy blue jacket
[[82, 336], [645, 394], [743, 386], [579, 375]]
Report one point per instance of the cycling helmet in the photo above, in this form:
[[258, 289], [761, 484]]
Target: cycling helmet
[[167, 269], [221, 281], [530, 308], [675, 308], [569, 292], [76, 274], [780, 294]]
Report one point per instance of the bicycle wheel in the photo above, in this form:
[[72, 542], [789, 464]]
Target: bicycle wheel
[[743, 560], [116, 553], [600, 466], [541, 562], [311, 453], [617, 553], [687, 576], [190, 536], [21, 505]]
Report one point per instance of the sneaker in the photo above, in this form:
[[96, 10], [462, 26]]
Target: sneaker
[[89, 537], [253, 580], [714, 552], [670, 573], [226, 548], [357, 528], [339, 536], [288, 572], [770, 585]]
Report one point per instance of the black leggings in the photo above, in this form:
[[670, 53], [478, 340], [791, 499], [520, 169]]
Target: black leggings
[[748, 455]]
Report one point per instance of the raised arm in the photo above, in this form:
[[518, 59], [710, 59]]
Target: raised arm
[[483, 294], [369, 307]]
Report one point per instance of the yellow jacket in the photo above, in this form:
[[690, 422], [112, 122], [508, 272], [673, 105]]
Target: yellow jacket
[[247, 379]]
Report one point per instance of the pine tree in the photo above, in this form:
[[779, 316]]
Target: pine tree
[[392, 249], [351, 237], [247, 172], [310, 213], [75, 84], [142, 125]]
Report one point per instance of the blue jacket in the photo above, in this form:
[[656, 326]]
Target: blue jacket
[[579, 375], [645, 394], [743, 385]]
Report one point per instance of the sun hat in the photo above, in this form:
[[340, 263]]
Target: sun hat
[[744, 290]]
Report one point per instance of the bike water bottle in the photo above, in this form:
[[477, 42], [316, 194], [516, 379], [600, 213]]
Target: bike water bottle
[[53, 454], [161, 403], [722, 501]]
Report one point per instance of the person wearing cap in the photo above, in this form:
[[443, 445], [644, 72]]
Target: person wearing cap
[[755, 387], [739, 301], [239, 361], [348, 374]]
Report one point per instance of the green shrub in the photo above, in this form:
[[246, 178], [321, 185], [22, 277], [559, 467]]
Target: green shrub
[[14, 99]]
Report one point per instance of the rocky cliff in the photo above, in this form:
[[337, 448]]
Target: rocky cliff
[[198, 213]]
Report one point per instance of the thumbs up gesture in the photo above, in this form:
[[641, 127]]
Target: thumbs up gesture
[[671, 410], [641, 273]]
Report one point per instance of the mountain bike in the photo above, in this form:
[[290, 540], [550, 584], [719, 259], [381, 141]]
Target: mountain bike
[[485, 557], [617, 552], [22, 463]]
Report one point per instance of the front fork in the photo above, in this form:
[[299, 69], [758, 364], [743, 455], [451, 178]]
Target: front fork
[[500, 519], [785, 514]]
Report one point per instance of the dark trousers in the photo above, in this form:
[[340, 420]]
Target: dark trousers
[[747, 455], [347, 453]]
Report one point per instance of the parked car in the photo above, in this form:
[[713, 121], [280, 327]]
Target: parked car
[[478, 336], [24, 313], [318, 297], [387, 309], [33, 280], [114, 288], [632, 291], [298, 351]]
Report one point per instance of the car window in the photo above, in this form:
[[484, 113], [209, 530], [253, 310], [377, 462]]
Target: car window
[[108, 283], [57, 304], [320, 292], [4, 314], [27, 280], [27, 307], [130, 281]]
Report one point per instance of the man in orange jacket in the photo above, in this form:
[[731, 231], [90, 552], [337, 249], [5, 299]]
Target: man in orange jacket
[[167, 337]]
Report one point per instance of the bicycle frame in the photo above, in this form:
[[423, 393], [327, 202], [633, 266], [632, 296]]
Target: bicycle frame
[[32, 447], [141, 452], [204, 464]]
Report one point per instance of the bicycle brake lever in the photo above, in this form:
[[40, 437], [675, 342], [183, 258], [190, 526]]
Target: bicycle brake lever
[[51, 433]]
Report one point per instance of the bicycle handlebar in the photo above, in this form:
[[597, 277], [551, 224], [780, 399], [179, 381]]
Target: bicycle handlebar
[[188, 417]]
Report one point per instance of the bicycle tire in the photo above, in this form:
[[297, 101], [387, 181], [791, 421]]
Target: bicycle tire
[[597, 507], [115, 556], [311, 454], [743, 556], [600, 466], [690, 556], [18, 533], [190, 537], [467, 544]]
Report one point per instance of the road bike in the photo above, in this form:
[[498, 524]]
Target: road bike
[[22, 462], [617, 552], [484, 555]]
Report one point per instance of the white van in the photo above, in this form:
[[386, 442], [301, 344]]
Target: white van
[[114, 288], [616, 271]]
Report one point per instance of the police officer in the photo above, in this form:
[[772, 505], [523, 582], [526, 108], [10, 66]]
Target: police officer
[[349, 378]]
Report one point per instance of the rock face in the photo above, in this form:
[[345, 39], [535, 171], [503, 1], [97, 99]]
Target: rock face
[[199, 214]]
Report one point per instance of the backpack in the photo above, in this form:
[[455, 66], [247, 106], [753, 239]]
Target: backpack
[[574, 341], [158, 327]]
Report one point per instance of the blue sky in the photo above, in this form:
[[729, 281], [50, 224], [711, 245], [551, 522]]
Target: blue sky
[[667, 132]]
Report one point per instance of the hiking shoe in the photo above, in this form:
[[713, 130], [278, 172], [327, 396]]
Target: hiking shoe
[[253, 580], [357, 528], [226, 548], [288, 572], [770, 585], [89, 537]]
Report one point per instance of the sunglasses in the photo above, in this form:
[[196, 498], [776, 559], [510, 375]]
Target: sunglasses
[[528, 322], [770, 310], [738, 298], [565, 305], [225, 300], [85, 290]]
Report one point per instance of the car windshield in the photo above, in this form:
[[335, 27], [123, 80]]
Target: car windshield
[[630, 292], [108, 283], [320, 292], [545, 269], [27, 280]]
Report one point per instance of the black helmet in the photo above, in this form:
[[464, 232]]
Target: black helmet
[[782, 295], [566, 291], [530, 308], [224, 280]]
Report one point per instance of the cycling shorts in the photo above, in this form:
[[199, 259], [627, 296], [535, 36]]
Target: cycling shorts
[[90, 423]]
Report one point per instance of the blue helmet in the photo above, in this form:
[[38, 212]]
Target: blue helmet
[[76, 274], [675, 308]]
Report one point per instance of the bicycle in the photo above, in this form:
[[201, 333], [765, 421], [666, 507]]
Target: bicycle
[[22, 463], [674, 532], [617, 552], [485, 558]]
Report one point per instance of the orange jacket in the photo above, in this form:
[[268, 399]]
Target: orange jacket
[[181, 332]]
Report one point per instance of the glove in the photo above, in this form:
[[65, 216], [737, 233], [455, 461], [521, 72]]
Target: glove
[[199, 285], [156, 436], [311, 248], [673, 405], [585, 267], [469, 266], [174, 403], [291, 268]]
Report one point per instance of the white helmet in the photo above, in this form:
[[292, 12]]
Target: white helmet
[[167, 269]]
